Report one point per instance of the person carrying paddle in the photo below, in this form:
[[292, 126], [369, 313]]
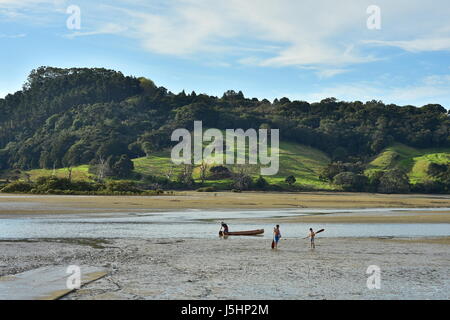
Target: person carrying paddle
[[276, 236], [312, 235]]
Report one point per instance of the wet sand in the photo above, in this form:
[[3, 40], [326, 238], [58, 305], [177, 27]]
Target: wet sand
[[13, 205], [244, 268], [406, 217]]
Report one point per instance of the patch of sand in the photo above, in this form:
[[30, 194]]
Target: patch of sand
[[220, 200], [425, 217], [15, 205]]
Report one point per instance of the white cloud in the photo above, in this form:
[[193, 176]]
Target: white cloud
[[263, 32], [317, 54], [416, 45], [430, 89], [324, 34], [437, 80], [185, 29], [191, 27], [13, 36], [16, 4], [304, 33], [109, 28], [329, 73], [35, 12]]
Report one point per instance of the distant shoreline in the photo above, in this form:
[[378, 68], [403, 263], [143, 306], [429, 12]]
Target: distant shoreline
[[16, 205]]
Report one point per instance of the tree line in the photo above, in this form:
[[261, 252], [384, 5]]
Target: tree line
[[68, 117]]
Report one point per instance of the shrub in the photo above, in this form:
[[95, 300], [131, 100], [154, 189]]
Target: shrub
[[17, 186], [154, 182], [123, 167], [261, 183], [54, 183], [350, 181], [207, 189], [437, 170], [394, 181], [122, 186], [430, 187], [290, 180], [219, 172], [242, 182], [85, 186], [335, 168], [64, 186]]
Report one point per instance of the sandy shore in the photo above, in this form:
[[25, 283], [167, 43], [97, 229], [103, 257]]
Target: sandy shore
[[15, 205], [364, 217], [239, 268], [243, 268]]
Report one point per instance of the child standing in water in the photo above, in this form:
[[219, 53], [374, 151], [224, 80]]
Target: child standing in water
[[276, 235]]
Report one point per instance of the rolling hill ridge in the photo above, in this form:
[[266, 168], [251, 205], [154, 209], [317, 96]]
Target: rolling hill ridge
[[85, 118]]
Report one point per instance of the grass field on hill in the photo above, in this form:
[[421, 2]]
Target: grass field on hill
[[301, 161], [412, 160], [78, 173]]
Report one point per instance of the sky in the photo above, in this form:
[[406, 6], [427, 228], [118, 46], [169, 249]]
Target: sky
[[397, 51]]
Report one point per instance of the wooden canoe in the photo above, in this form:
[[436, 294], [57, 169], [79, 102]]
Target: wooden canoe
[[243, 233]]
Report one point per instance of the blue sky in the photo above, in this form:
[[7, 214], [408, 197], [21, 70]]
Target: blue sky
[[301, 49]]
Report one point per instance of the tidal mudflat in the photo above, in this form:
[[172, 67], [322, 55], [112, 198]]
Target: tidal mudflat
[[167, 247], [38, 204], [243, 268]]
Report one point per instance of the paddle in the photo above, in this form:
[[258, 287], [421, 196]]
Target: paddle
[[273, 244], [321, 230]]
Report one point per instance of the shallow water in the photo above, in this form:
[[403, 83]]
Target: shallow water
[[204, 224]]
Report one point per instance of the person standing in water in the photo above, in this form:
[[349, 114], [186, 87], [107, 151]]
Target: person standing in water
[[311, 235], [276, 235]]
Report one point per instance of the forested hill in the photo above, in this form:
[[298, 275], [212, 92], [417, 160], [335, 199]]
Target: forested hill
[[67, 117]]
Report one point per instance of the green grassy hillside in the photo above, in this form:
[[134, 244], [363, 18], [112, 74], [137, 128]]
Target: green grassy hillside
[[300, 161], [78, 173], [414, 161], [305, 163]]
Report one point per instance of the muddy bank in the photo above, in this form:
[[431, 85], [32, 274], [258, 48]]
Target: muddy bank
[[32, 204], [244, 268]]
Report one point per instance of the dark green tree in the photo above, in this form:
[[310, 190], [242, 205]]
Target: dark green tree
[[394, 181], [261, 183], [123, 167], [290, 180], [351, 181]]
